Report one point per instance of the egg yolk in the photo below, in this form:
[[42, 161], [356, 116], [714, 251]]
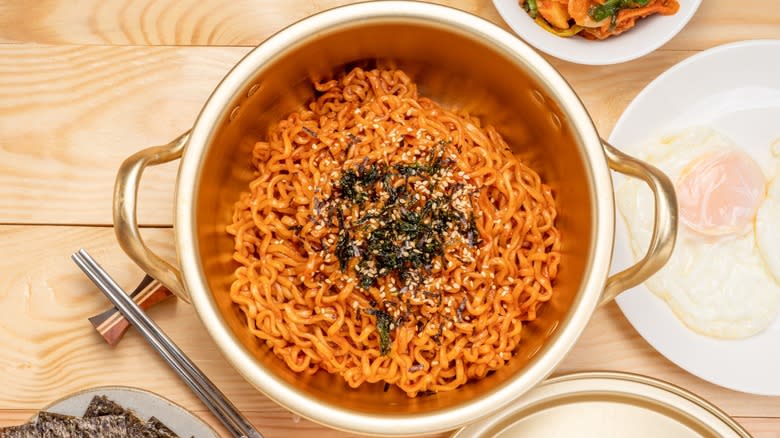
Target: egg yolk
[[720, 193]]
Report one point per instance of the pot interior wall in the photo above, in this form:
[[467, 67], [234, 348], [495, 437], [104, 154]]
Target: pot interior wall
[[454, 69]]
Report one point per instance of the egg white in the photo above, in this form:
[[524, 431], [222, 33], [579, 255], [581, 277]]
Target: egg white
[[768, 228], [719, 287]]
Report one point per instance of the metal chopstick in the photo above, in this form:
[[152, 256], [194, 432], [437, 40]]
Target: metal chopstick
[[222, 408]]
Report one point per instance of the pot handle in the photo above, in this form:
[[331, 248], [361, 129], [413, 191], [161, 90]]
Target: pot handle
[[664, 226], [126, 216]]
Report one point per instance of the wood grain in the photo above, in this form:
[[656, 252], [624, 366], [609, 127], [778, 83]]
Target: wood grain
[[721, 22], [69, 115], [50, 349], [761, 427], [168, 22], [249, 22]]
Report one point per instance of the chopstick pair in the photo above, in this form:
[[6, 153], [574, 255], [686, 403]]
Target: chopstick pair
[[211, 396]]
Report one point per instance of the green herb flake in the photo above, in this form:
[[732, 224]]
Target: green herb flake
[[395, 232], [383, 321], [532, 8], [348, 183], [344, 249], [610, 8], [473, 232]]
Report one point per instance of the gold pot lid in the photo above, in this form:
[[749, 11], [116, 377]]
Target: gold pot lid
[[606, 404]]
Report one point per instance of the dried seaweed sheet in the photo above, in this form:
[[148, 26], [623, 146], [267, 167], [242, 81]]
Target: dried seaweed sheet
[[24, 431], [160, 428], [103, 418], [102, 405], [60, 426]]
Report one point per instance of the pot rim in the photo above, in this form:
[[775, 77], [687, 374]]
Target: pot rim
[[602, 234]]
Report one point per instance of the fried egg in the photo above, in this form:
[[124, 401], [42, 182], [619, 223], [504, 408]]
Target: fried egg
[[723, 278]]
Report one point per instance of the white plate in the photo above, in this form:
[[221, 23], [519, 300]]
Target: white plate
[[143, 403], [648, 35], [735, 89]]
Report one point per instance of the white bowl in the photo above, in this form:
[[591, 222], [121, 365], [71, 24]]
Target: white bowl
[[648, 34]]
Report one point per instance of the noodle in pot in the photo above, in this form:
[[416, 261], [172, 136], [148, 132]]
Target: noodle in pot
[[388, 239]]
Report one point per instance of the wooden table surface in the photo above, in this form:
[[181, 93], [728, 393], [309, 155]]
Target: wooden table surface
[[86, 83]]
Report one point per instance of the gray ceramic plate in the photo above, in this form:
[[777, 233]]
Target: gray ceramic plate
[[144, 403]]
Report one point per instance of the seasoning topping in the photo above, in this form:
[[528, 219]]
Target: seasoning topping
[[394, 223]]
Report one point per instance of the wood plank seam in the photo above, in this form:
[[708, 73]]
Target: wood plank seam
[[86, 225]]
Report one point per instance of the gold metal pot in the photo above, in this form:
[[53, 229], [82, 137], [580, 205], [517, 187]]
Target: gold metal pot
[[458, 60]]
